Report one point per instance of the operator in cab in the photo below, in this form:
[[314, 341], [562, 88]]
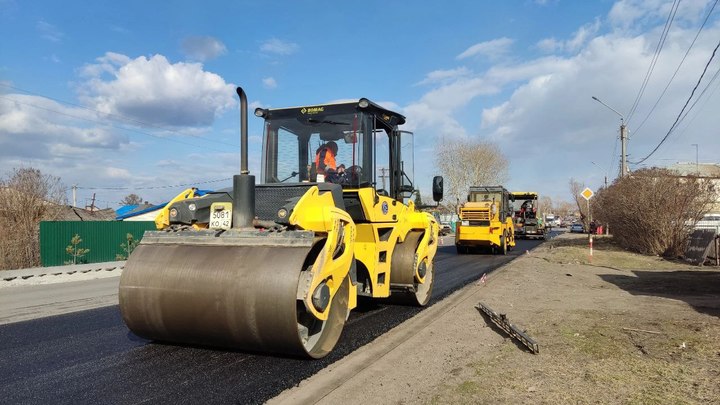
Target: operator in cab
[[325, 161]]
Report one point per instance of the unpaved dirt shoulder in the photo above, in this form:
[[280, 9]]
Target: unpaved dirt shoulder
[[613, 331]]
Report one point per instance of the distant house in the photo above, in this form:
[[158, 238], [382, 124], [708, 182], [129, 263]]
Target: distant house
[[704, 170], [70, 213]]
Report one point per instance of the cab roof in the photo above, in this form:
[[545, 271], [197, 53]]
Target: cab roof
[[383, 116]]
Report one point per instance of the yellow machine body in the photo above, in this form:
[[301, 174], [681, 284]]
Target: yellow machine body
[[287, 281], [485, 221]]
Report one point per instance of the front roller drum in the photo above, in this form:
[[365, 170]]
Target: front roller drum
[[238, 297]]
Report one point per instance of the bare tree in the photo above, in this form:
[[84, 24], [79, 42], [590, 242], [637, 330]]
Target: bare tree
[[654, 210], [546, 203], [131, 199], [26, 197], [465, 163], [565, 208], [582, 205]]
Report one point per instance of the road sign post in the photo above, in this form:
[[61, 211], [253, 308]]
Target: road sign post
[[588, 194]]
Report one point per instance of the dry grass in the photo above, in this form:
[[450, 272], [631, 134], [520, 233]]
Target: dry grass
[[606, 253], [601, 341]]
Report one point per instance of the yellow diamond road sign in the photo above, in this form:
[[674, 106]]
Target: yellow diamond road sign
[[587, 193]]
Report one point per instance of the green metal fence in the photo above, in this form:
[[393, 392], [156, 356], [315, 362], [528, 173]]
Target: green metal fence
[[103, 238]]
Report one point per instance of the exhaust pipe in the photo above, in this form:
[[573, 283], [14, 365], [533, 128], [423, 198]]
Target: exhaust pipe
[[243, 183]]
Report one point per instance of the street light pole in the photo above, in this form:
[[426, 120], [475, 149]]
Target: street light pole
[[623, 138], [697, 165]]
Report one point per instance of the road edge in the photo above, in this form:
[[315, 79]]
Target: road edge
[[332, 377]]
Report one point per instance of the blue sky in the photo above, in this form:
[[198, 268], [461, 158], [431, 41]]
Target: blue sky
[[138, 97]]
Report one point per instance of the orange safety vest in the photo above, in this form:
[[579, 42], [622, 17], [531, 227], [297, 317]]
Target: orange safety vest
[[324, 160]]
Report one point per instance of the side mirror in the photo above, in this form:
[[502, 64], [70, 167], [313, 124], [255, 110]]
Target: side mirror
[[406, 191], [437, 188]]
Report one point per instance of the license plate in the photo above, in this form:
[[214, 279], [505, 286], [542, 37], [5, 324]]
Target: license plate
[[220, 215]]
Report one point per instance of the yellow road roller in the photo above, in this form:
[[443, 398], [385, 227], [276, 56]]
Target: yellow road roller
[[277, 266]]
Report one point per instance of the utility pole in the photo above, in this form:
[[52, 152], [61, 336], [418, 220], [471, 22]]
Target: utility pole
[[623, 138], [697, 164], [623, 147], [382, 177], [74, 191]]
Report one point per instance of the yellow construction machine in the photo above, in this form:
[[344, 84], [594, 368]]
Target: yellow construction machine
[[529, 221], [278, 266], [485, 221]]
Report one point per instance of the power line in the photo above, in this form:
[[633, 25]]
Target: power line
[[707, 17], [674, 125], [692, 107], [155, 187], [712, 80], [613, 156], [656, 56]]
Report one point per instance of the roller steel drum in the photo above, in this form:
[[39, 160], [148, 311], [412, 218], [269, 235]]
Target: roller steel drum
[[239, 297]]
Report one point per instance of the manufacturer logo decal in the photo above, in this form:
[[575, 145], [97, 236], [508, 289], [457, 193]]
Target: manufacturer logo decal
[[312, 110], [384, 207]]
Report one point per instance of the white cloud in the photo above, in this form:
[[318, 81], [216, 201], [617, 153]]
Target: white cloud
[[116, 173], [541, 113], [269, 83], [202, 48], [549, 45], [155, 91], [49, 31], [579, 39], [279, 47], [439, 76], [636, 14], [492, 49], [582, 35], [42, 129]]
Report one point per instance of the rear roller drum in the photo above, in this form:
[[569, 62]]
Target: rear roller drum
[[404, 262]]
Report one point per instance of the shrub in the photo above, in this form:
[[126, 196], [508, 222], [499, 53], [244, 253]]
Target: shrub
[[653, 211]]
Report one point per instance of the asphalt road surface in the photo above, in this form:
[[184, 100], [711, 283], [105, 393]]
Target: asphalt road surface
[[91, 357]]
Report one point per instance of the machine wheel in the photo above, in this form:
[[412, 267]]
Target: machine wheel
[[403, 272], [503, 249], [461, 250], [319, 337]]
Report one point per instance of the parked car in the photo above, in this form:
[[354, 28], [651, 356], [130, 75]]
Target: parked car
[[577, 227], [445, 229]]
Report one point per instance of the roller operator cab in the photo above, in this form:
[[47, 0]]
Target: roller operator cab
[[485, 221], [277, 266]]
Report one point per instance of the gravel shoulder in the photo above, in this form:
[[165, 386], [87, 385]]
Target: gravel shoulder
[[614, 328], [45, 291]]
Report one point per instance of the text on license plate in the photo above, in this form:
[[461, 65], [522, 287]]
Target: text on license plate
[[220, 215]]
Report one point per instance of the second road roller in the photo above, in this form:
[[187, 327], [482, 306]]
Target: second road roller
[[277, 266]]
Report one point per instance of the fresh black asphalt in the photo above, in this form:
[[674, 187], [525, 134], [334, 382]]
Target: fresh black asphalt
[[90, 357]]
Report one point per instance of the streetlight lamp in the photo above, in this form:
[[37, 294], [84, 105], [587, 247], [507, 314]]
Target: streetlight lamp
[[697, 165], [623, 138]]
